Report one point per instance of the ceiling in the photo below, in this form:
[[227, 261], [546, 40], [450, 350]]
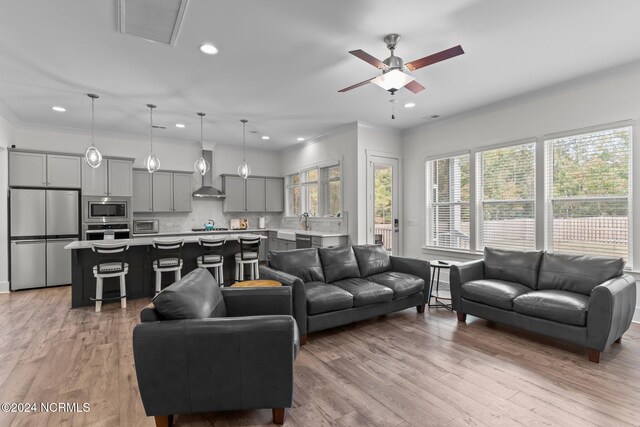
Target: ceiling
[[281, 62]]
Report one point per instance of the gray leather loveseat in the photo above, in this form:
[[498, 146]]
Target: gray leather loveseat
[[585, 300], [202, 348], [337, 286]]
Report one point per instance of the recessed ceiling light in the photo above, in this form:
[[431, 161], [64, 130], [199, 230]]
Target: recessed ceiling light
[[180, 125], [58, 109], [409, 105], [300, 138], [209, 49], [265, 137]]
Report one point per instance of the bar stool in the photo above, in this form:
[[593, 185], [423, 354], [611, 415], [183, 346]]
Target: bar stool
[[249, 247], [110, 264], [167, 259], [212, 258]]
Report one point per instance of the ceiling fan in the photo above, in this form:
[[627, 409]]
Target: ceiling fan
[[393, 76]]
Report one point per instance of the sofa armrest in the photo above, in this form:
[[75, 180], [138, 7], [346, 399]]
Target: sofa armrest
[[417, 267], [215, 364], [610, 311], [150, 314], [461, 273], [257, 301], [299, 296]]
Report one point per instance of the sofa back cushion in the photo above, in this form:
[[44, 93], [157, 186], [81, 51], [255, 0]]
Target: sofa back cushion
[[513, 266], [577, 273], [302, 263], [338, 263], [195, 296], [372, 259]]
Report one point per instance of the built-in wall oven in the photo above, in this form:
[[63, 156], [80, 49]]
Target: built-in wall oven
[[106, 218], [107, 231]]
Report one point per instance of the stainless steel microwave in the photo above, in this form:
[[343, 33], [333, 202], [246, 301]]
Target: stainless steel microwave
[[106, 209], [145, 226]]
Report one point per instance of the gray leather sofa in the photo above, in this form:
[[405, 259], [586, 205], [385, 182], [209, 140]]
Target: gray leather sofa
[[585, 300], [337, 286], [201, 348]]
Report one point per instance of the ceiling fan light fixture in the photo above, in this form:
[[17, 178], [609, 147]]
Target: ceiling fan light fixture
[[393, 80]]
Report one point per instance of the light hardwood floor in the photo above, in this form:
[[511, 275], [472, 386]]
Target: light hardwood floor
[[398, 370]]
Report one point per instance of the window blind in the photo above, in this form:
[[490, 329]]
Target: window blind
[[447, 202], [588, 188], [505, 197]]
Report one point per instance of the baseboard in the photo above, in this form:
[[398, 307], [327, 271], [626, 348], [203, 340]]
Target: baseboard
[[636, 315], [4, 286]]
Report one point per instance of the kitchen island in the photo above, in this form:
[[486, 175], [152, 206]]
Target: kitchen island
[[141, 277]]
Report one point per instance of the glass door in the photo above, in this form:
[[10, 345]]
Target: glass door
[[383, 221]]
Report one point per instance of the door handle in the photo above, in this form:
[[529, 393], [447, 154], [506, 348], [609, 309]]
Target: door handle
[[28, 241]]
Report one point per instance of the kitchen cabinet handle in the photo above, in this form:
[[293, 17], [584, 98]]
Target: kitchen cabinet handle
[[61, 240], [28, 241], [304, 239]]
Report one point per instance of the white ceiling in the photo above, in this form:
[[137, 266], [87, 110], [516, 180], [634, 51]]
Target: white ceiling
[[281, 62]]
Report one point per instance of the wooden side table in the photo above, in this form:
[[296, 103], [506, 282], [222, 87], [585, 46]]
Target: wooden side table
[[256, 284], [439, 265]]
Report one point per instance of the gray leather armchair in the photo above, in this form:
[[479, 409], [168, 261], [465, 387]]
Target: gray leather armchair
[[239, 361]]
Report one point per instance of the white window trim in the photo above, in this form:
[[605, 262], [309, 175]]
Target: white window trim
[[306, 168]]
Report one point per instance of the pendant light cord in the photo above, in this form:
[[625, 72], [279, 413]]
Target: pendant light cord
[[93, 120], [244, 141], [151, 127], [201, 137]]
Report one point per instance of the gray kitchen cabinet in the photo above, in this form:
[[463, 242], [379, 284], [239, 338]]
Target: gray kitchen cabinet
[[182, 192], [94, 180], [234, 190], [287, 245], [328, 242], [255, 194], [120, 177], [162, 191], [142, 191], [274, 195], [64, 171], [264, 248], [27, 169]]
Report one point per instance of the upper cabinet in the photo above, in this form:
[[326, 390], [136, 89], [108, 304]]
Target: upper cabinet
[[255, 194], [162, 191], [27, 169], [114, 177]]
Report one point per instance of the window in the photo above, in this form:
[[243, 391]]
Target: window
[[316, 190], [587, 191], [447, 199], [505, 182]]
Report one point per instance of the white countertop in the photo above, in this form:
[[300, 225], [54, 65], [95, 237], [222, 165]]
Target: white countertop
[[249, 230], [148, 241]]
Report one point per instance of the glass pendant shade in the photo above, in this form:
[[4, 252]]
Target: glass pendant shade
[[244, 170], [201, 166], [152, 163], [93, 157]]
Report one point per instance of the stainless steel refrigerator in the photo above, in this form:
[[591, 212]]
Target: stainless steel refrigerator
[[42, 223]]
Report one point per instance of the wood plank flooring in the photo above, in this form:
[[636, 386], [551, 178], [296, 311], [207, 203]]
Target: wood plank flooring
[[403, 369]]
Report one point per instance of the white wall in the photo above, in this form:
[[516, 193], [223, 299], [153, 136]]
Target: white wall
[[6, 139], [606, 101], [338, 144], [374, 140]]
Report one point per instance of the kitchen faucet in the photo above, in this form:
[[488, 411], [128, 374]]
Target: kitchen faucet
[[305, 215]]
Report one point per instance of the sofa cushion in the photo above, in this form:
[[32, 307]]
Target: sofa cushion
[[559, 306], [338, 263], [322, 298], [577, 273], [302, 263], [365, 292], [496, 293], [512, 266], [195, 296], [402, 284], [372, 259]]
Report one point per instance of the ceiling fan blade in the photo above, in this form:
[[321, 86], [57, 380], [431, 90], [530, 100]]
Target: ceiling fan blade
[[368, 58], [355, 85], [414, 86], [436, 57]]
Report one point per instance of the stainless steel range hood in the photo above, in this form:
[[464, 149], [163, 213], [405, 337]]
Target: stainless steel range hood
[[207, 189]]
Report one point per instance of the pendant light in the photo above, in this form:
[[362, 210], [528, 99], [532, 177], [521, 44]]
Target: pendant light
[[152, 163], [93, 155], [201, 165], [244, 170]]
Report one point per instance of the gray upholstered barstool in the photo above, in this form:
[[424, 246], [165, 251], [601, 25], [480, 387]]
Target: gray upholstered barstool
[[110, 264], [212, 257], [167, 259], [248, 255]]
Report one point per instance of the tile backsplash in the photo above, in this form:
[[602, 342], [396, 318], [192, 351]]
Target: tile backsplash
[[329, 225], [202, 211]]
